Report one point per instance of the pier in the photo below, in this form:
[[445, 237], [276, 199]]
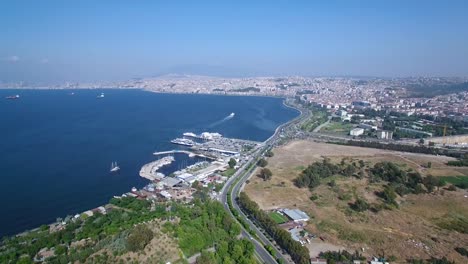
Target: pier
[[189, 153], [150, 170]]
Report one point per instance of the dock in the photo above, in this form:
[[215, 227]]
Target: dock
[[150, 170], [189, 153]]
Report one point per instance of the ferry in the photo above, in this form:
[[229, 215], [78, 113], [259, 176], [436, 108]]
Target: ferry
[[100, 96], [114, 167], [13, 97], [190, 134], [183, 142]]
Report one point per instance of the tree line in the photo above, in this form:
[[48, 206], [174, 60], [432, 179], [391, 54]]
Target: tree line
[[400, 147], [298, 253]]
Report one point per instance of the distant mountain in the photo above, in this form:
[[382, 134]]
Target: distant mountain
[[207, 70]]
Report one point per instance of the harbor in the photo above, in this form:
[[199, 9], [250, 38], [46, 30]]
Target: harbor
[[150, 170], [215, 151]]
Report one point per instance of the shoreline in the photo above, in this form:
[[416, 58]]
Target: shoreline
[[79, 213], [141, 89]]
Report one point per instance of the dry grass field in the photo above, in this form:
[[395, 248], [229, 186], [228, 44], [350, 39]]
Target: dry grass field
[[411, 231]]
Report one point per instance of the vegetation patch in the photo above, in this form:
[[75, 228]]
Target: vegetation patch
[[278, 218], [459, 181], [454, 222]]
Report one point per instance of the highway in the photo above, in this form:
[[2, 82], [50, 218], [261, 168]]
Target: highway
[[237, 181]]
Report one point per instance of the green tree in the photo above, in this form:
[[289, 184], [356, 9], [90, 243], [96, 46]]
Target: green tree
[[265, 174], [232, 163], [262, 163]]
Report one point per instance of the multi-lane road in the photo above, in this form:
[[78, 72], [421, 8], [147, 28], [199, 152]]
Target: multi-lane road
[[237, 181]]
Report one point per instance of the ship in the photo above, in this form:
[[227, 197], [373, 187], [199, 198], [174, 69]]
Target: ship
[[13, 97], [100, 96], [190, 134], [183, 142], [114, 167], [232, 115]]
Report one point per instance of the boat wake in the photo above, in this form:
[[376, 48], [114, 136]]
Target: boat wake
[[219, 122]]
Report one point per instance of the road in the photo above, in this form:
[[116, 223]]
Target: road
[[238, 179]]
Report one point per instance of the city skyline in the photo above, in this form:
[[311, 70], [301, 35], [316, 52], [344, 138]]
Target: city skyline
[[52, 42]]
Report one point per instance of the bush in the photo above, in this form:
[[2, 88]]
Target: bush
[[360, 205], [462, 251], [139, 237], [314, 197]]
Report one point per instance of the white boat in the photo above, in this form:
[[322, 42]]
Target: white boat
[[232, 115], [183, 141], [114, 167], [100, 96]]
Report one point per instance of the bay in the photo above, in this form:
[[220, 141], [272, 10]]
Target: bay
[[56, 148]]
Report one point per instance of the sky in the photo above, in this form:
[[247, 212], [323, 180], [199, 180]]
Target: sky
[[55, 41]]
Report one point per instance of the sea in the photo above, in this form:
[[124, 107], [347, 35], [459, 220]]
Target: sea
[[57, 146]]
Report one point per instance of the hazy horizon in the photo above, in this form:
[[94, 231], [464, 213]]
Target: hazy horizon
[[54, 41]]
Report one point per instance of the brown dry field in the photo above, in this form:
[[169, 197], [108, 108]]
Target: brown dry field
[[408, 232]]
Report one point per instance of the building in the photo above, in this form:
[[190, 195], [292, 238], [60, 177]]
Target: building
[[381, 134], [356, 131], [296, 215], [378, 261], [367, 126], [361, 104], [341, 113], [165, 195]]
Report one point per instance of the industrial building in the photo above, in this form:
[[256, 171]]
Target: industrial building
[[356, 131], [296, 215]]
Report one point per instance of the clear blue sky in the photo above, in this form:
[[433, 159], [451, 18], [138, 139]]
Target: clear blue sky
[[115, 40]]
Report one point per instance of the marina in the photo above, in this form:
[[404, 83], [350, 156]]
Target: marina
[[150, 170]]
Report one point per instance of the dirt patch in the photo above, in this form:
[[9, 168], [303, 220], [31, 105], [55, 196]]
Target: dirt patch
[[410, 231]]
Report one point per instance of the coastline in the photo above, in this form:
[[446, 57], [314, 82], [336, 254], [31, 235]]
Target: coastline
[[141, 89], [236, 95]]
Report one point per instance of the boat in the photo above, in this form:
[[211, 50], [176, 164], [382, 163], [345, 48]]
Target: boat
[[13, 97], [100, 96], [232, 115], [190, 134], [183, 142], [114, 167]]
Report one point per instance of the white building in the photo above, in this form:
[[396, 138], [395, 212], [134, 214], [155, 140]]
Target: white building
[[384, 134], [296, 215], [356, 131], [341, 113]]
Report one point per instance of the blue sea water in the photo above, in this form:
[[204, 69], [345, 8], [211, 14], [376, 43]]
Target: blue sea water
[[56, 149]]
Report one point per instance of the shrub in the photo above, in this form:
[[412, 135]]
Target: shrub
[[360, 205], [139, 237]]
